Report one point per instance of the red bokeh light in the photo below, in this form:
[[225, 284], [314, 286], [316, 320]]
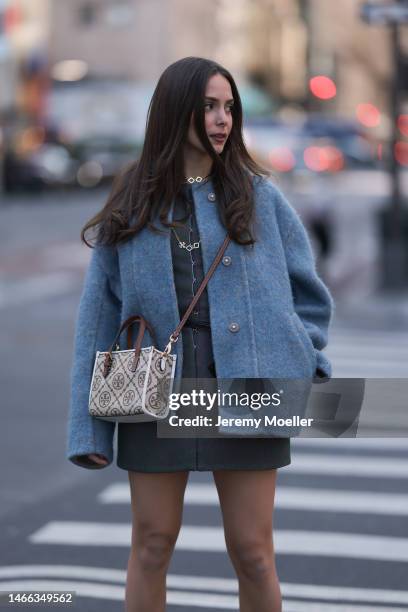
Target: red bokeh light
[[368, 115], [314, 159], [335, 158], [323, 159], [322, 87], [402, 123], [282, 159], [12, 17], [401, 152]]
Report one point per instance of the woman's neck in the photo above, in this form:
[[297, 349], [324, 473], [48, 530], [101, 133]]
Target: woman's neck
[[196, 163]]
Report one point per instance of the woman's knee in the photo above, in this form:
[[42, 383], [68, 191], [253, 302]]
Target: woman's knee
[[253, 560], [153, 548]]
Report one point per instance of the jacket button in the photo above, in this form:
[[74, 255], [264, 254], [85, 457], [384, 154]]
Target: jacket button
[[233, 327], [211, 197], [226, 260]]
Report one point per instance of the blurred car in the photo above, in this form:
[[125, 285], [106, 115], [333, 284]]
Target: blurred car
[[102, 157], [303, 156], [33, 160], [316, 144], [347, 135]]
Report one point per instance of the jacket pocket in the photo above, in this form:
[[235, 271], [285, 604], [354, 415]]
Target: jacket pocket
[[304, 339]]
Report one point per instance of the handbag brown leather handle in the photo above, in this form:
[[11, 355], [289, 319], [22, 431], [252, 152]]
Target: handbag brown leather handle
[[143, 325], [128, 324]]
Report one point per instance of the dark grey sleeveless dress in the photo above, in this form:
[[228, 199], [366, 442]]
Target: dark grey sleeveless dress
[[139, 448]]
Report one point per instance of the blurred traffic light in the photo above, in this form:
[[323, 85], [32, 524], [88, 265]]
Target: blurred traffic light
[[322, 87], [368, 115]]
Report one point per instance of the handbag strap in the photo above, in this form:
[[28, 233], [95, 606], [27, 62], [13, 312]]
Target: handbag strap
[[144, 324]]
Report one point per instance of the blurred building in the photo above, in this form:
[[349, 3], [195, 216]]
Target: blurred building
[[131, 39], [265, 40], [8, 64], [27, 28], [278, 44], [283, 43]]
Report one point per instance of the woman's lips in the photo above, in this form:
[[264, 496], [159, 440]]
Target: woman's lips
[[218, 138]]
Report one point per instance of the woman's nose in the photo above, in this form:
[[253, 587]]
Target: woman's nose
[[221, 118]]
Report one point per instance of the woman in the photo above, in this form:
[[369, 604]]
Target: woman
[[264, 313]]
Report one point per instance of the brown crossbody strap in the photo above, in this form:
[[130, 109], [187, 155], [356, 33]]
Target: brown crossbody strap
[[174, 336], [143, 324]]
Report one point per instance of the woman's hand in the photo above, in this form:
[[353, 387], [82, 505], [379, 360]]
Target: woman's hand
[[96, 458]]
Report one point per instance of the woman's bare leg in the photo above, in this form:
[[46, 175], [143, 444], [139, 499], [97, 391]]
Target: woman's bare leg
[[247, 502], [157, 509]]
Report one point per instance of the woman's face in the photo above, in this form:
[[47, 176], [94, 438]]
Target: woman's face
[[218, 114]]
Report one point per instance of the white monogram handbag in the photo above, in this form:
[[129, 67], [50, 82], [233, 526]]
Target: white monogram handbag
[[134, 385]]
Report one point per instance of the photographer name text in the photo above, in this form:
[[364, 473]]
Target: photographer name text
[[256, 422]]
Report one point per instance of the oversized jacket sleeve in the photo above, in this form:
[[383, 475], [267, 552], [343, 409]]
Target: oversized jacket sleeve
[[98, 319], [312, 300]]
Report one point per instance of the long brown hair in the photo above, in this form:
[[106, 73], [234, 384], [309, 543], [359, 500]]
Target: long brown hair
[[148, 186]]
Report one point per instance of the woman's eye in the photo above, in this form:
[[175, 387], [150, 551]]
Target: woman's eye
[[210, 105]]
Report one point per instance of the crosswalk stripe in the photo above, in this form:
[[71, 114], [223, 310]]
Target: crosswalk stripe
[[296, 498], [367, 346], [117, 593], [350, 350], [179, 598], [367, 351], [302, 498], [37, 288], [211, 539], [369, 362], [384, 364], [303, 606], [82, 589], [361, 371], [334, 444], [351, 465], [338, 336], [224, 585]]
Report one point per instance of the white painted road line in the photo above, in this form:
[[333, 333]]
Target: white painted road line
[[346, 465], [373, 368], [185, 598], [349, 349], [297, 498], [37, 288], [351, 465], [358, 337], [357, 444], [117, 593], [334, 500], [211, 539], [209, 583], [82, 589], [303, 606]]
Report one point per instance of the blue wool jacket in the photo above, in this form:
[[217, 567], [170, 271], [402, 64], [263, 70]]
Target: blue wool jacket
[[271, 292]]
